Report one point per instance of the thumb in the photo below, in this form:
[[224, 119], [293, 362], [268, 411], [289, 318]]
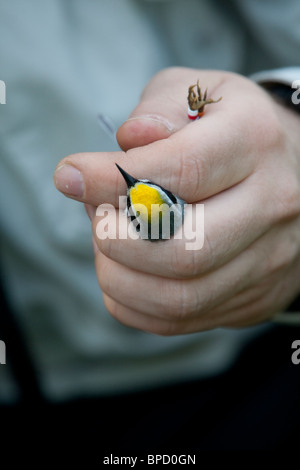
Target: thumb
[[162, 109]]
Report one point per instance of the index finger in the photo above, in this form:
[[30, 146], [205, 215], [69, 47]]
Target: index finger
[[201, 159]]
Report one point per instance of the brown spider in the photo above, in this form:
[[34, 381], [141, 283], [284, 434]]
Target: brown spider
[[197, 101]]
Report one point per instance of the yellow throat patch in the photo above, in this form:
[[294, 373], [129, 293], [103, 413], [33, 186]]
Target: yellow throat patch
[[142, 197]]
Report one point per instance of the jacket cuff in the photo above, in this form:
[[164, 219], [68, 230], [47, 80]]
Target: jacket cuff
[[284, 84], [284, 76]]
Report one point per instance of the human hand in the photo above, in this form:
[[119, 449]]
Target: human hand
[[242, 159]]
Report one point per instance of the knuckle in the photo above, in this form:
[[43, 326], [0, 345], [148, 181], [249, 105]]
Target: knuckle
[[106, 247], [111, 306], [191, 172], [104, 276]]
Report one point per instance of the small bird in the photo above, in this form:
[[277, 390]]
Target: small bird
[[155, 212]]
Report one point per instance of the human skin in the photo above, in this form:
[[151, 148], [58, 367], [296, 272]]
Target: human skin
[[242, 160]]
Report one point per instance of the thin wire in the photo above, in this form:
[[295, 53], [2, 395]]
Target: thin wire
[[108, 126]]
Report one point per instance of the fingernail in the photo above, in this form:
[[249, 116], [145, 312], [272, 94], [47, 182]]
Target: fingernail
[[154, 118], [68, 180]]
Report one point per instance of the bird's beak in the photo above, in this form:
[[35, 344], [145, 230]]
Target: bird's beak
[[130, 181]]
